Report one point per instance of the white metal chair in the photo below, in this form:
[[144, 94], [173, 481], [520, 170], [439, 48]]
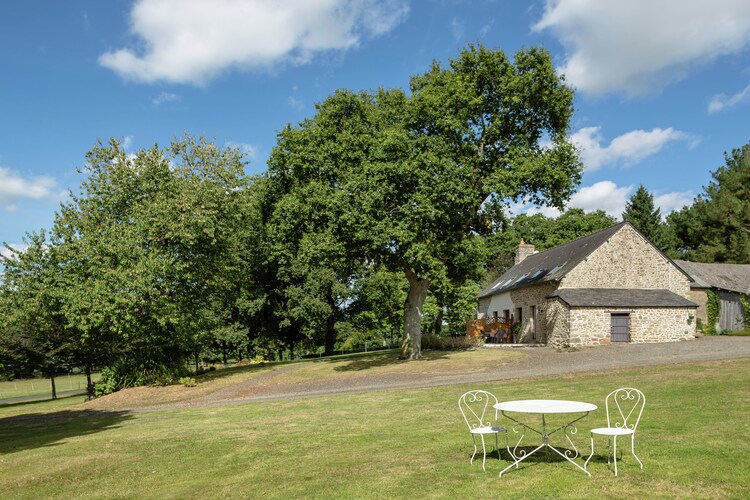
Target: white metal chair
[[627, 406], [474, 406]]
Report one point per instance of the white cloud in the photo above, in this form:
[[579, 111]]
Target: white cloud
[[5, 252], [192, 41], [165, 97], [611, 198], [669, 202], [627, 149], [295, 103], [638, 46], [721, 101], [604, 195], [127, 142], [248, 150], [13, 188], [458, 28]]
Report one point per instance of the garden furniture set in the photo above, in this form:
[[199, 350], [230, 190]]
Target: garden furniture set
[[623, 406]]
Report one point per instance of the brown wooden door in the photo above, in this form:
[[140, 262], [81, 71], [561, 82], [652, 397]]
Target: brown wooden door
[[620, 327]]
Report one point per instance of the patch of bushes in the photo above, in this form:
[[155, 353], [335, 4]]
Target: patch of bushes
[[431, 341], [188, 381], [126, 372]]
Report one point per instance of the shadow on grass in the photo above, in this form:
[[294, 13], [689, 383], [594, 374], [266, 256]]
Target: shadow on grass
[[540, 456], [387, 358], [36, 430]]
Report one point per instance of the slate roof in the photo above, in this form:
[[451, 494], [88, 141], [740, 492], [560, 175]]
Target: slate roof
[[730, 277], [620, 297], [550, 265]]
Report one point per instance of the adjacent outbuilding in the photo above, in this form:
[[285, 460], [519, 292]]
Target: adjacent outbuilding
[[729, 281]]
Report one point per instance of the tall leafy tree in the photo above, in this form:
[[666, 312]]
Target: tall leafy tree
[[724, 211], [641, 212], [32, 298], [415, 178], [151, 248]]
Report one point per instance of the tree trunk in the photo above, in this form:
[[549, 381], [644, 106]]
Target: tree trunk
[[330, 340], [411, 347], [224, 351], [52, 382], [439, 318], [89, 384]]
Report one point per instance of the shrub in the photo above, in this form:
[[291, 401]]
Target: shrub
[[188, 381], [713, 307], [431, 341], [127, 372]]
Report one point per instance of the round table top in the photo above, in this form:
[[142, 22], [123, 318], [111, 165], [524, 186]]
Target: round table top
[[545, 406]]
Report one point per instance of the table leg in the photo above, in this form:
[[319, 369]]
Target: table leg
[[522, 455]]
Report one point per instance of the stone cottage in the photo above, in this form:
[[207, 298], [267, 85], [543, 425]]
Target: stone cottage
[[609, 286], [729, 282]]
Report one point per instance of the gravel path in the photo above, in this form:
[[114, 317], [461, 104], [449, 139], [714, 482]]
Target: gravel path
[[538, 362]]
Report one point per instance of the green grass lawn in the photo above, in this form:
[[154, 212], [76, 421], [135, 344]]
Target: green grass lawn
[[694, 440], [38, 386]]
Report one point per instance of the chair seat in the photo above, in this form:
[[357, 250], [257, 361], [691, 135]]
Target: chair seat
[[488, 430], [612, 431]]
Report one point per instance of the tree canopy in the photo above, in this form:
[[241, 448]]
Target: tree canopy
[[411, 179], [716, 228]]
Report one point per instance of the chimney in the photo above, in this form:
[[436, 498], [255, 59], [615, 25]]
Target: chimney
[[523, 250]]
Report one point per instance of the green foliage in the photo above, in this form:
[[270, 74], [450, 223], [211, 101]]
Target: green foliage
[[713, 308], [641, 212], [408, 181], [716, 228], [432, 341], [188, 381], [745, 302]]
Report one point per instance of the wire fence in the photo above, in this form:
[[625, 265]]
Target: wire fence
[[42, 386]]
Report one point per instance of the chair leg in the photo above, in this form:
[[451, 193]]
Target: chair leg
[[484, 452], [497, 446], [632, 449], [474, 440], [586, 463], [615, 455]]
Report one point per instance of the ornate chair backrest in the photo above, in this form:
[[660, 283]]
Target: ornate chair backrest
[[477, 408], [627, 406]]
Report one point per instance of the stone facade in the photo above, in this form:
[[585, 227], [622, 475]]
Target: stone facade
[[591, 326], [627, 260], [530, 300], [624, 260], [557, 320], [699, 297]]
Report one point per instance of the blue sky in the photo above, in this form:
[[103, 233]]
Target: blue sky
[[663, 87]]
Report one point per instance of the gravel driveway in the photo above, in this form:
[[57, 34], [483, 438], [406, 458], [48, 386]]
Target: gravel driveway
[[538, 362]]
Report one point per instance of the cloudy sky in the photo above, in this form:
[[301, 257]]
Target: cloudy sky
[[662, 86]]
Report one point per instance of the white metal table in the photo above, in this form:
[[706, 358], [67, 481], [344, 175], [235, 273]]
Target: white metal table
[[545, 407]]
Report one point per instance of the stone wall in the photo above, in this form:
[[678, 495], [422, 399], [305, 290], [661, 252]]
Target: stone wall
[[700, 298], [524, 298], [627, 260], [557, 323], [591, 326]]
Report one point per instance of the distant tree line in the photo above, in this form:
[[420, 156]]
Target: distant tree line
[[377, 220]]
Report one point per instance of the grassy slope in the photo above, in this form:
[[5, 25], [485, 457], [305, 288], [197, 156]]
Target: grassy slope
[[694, 441]]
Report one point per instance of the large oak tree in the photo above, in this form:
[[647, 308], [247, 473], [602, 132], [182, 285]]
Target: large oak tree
[[410, 180]]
